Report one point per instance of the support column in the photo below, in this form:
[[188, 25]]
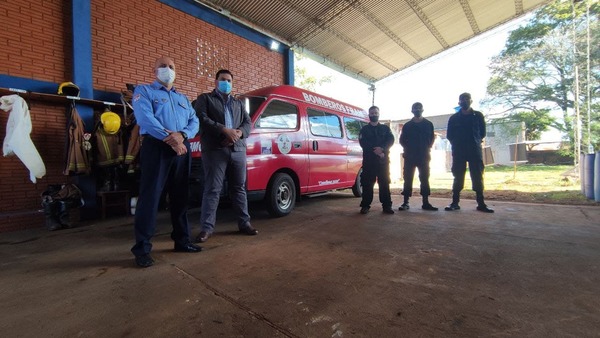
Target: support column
[[81, 19], [288, 63]]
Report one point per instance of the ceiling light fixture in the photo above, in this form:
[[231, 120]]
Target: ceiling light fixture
[[274, 45]]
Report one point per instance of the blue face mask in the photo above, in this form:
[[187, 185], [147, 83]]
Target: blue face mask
[[225, 87]]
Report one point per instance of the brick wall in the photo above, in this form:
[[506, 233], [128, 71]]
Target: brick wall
[[127, 37], [36, 39]]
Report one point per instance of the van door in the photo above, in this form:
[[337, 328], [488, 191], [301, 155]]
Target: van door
[[354, 151], [327, 152], [277, 141]]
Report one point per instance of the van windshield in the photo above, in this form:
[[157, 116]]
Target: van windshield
[[252, 103]]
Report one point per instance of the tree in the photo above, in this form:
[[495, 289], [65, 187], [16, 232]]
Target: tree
[[535, 72], [304, 79]]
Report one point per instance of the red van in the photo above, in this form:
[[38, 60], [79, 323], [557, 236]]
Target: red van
[[301, 143]]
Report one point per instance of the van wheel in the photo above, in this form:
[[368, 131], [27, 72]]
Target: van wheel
[[281, 195], [357, 187]]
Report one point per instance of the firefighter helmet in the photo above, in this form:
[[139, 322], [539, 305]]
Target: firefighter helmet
[[68, 88], [111, 122]]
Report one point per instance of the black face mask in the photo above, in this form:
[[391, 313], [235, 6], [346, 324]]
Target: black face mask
[[373, 118], [418, 113]]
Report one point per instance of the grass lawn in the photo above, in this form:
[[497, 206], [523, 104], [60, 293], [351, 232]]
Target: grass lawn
[[529, 183]]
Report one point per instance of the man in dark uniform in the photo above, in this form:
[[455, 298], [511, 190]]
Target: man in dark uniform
[[225, 127], [376, 139], [166, 119], [417, 139], [466, 131]]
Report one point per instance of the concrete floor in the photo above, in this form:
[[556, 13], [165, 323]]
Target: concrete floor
[[324, 271]]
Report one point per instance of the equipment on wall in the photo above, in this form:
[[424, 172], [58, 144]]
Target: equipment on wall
[[78, 147], [111, 122], [68, 89], [57, 200]]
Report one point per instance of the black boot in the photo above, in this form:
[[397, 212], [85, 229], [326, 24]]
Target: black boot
[[481, 206], [63, 214], [454, 205], [427, 205], [405, 205], [52, 222]]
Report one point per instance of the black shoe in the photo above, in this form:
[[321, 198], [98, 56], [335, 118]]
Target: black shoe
[[429, 207], [249, 230], [452, 207], [484, 208], [404, 206], [202, 237], [388, 211], [144, 261], [364, 210], [187, 248]]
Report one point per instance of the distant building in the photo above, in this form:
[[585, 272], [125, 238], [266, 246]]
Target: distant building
[[502, 137]]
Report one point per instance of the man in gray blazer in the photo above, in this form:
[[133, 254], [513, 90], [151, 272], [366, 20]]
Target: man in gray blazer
[[224, 127]]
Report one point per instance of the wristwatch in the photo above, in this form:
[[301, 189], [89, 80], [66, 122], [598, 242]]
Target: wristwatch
[[184, 135]]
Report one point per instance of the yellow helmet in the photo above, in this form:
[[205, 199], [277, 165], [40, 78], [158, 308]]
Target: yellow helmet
[[68, 88], [111, 122]]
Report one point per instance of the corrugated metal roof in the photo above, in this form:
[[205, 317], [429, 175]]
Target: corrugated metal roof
[[373, 39]]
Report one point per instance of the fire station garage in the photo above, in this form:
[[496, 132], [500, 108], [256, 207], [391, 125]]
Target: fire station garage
[[69, 66]]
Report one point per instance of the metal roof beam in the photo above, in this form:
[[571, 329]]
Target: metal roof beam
[[425, 20], [519, 7], [469, 14], [325, 24], [363, 50], [382, 27], [317, 24]]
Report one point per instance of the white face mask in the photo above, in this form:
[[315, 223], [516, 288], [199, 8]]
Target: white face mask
[[165, 75]]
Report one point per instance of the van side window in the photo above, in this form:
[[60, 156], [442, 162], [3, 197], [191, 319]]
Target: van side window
[[278, 115], [324, 124], [353, 127], [252, 103]]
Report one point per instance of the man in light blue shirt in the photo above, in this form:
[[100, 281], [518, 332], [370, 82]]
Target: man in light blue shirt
[[166, 119]]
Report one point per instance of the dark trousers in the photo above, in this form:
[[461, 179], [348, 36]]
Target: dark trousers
[[161, 168], [409, 175], [459, 167], [379, 172], [219, 164]]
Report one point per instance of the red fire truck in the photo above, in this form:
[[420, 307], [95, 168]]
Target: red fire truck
[[301, 143]]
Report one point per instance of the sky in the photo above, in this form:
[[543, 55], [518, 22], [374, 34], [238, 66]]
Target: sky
[[436, 82]]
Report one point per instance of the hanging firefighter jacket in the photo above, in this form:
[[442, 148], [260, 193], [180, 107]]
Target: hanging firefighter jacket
[[109, 147], [133, 148], [78, 161], [17, 140], [134, 139]]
